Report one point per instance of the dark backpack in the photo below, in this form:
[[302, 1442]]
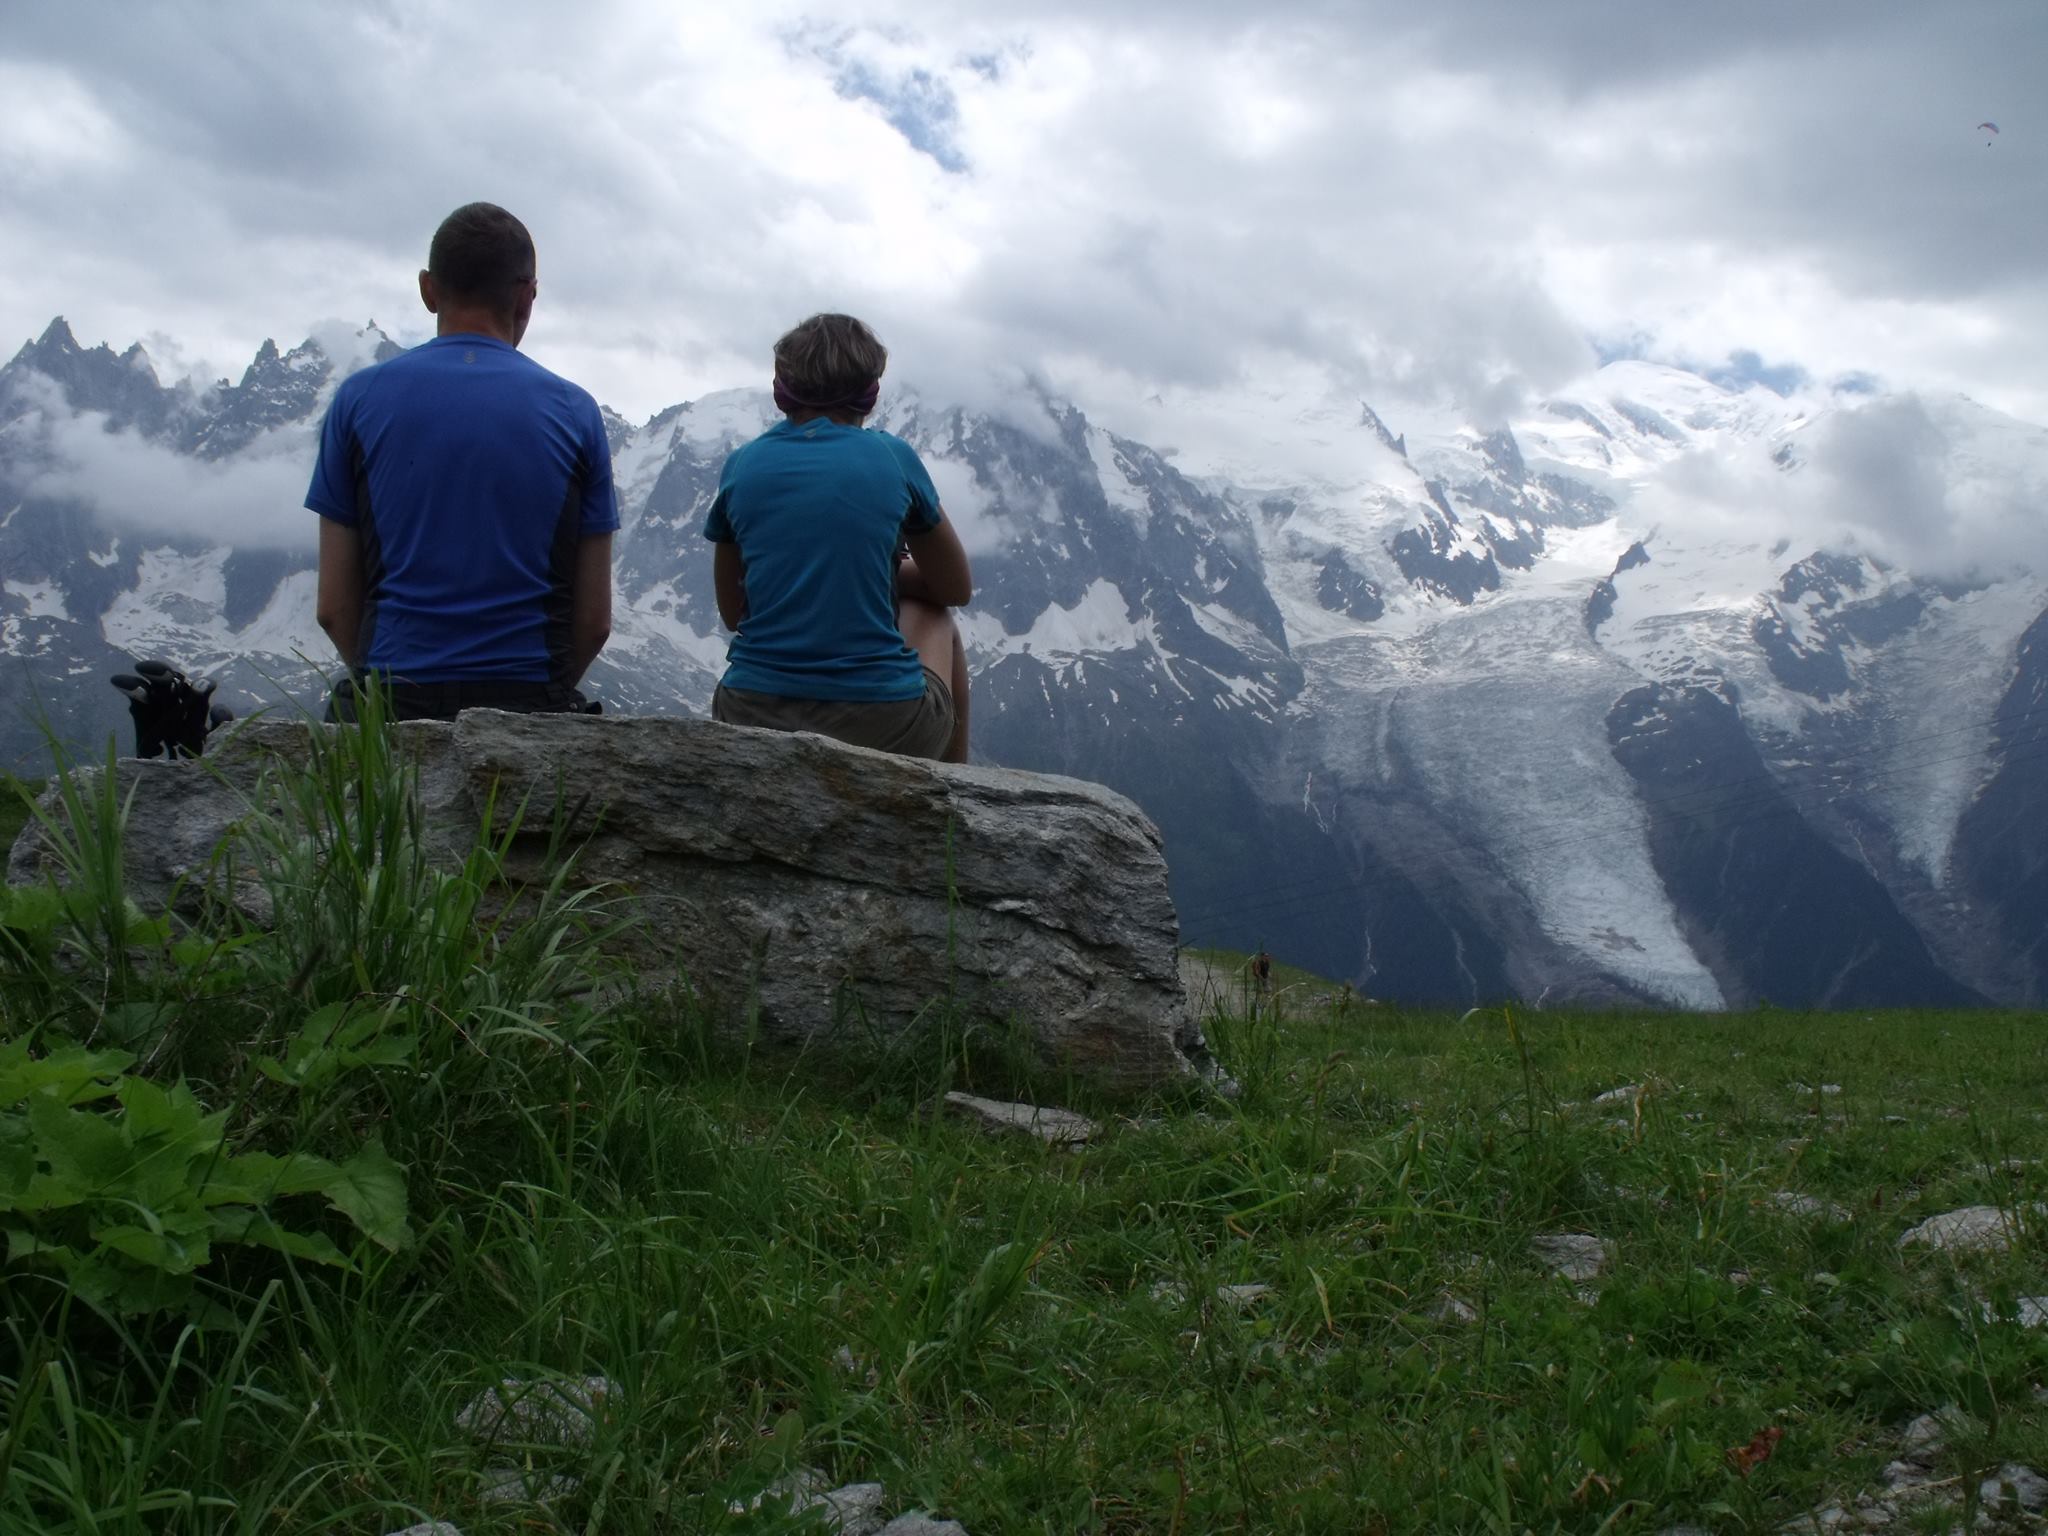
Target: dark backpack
[[173, 714]]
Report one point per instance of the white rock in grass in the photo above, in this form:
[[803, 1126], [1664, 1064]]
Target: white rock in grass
[[1574, 1255], [1835, 1518], [2033, 1311], [922, 1525], [1061, 1127], [1811, 1206], [1902, 1474], [1627, 1093], [2015, 1484], [544, 1412], [1453, 1309], [852, 1510], [1973, 1228], [1242, 1296], [855, 1510], [518, 1485]]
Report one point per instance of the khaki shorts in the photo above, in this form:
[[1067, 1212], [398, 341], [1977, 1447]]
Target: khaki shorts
[[919, 727]]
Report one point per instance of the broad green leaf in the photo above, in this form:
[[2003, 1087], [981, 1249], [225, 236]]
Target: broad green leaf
[[73, 1074], [171, 1115], [255, 1178], [17, 1167], [261, 1230], [172, 1251], [86, 1152], [370, 1191], [30, 908]]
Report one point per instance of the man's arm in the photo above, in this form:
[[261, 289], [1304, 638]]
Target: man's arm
[[936, 571], [729, 583], [339, 603], [590, 611]]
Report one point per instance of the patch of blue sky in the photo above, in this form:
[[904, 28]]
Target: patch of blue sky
[[1745, 368], [917, 104]]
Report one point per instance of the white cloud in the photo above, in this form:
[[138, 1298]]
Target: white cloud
[[252, 500], [1119, 197]]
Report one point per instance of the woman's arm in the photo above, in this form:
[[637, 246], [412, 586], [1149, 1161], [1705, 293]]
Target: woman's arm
[[937, 570], [729, 582]]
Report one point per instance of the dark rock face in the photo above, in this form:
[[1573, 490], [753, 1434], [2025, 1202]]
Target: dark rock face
[[276, 389], [1600, 601], [1341, 589], [1773, 909], [1425, 554], [2001, 850], [125, 388]]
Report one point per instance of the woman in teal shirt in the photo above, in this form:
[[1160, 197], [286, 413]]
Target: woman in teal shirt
[[835, 565]]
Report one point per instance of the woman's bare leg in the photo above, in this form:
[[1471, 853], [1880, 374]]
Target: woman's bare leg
[[930, 631]]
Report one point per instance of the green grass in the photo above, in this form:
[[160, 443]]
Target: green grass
[[13, 809], [778, 1271]]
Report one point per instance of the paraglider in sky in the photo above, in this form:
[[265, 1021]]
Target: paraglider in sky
[[1990, 130]]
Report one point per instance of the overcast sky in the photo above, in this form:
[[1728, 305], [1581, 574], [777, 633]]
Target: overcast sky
[[1470, 200]]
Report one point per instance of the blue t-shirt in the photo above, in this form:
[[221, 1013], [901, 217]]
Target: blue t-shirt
[[817, 511], [472, 474]]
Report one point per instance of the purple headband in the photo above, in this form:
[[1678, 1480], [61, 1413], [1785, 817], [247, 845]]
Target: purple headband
[[860, 403]]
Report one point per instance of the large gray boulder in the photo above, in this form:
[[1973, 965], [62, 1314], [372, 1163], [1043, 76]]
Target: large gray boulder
[[809, 885]]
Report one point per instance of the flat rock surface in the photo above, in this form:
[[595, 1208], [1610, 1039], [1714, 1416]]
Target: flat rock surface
[[1061, 1127], [806, 889]]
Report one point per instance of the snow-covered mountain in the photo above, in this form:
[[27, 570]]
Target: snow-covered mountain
[[1562, 710]]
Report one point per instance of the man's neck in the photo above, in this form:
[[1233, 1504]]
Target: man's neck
[[473, 322]]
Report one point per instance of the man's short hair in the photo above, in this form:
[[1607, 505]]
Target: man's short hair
[[481, 254], [829, 358]]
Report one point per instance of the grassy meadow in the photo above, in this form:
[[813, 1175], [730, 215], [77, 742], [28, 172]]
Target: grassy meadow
[[279, 1201]]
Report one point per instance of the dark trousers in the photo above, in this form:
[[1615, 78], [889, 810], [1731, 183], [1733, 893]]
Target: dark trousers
[[444, 701]]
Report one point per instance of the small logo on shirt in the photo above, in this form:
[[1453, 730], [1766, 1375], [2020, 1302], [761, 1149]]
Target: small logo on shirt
[[469, 354]]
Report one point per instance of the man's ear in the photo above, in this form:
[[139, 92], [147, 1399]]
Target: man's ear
[[428, 295]]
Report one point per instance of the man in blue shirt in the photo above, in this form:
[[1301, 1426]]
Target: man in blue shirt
[[466, 502]]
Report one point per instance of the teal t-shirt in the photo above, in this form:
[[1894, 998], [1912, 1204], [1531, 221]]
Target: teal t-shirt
[[817, 511]]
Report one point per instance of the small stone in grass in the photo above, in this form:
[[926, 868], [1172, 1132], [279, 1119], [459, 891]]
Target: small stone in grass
[[922, 1525], [1059, 1127], [1453, 1309], [1243, 1295], [517, 1485], [1574, 1255], [2017, 1485], [1810, 1206], [554, 1412], [1973, 1228]]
